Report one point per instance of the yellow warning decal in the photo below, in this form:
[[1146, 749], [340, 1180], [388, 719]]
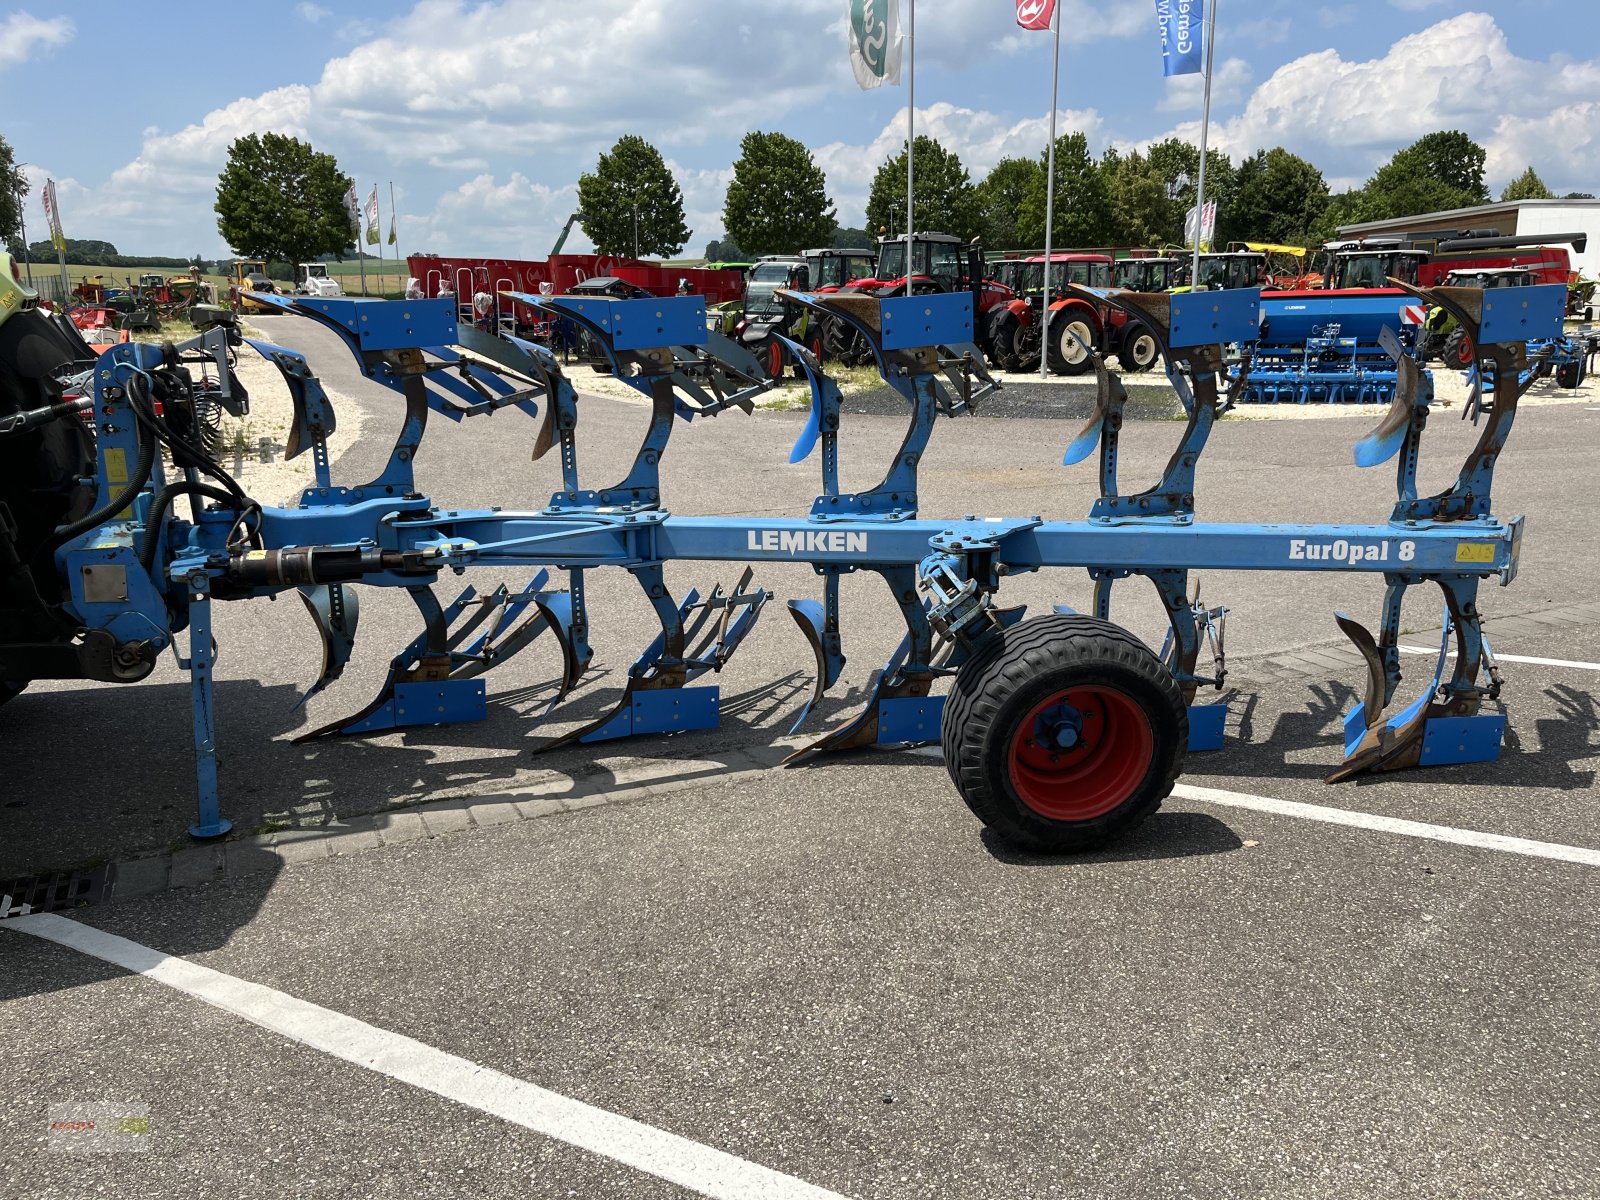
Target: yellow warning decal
[[1475, 552], [116, 465]]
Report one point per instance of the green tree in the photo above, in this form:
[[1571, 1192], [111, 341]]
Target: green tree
[[1442, 170], [777, 201], [13, 190], [1527, 186], [1177, 164], [277, 198], [999, 199], [726, 250], [848, 237], [944, 198], [1082, 211], [1141, 213], [1277, 197], [632, 190]]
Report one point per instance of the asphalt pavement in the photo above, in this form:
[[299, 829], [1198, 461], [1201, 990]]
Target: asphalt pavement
[[832, 972]]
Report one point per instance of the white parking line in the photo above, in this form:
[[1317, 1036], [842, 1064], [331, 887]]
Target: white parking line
[[1361, 820], [1432, 652], [1417, 829], [643, 1147]]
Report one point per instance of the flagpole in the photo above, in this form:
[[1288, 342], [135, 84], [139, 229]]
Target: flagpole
[[1205, 129], [911, 150], [397, 236], [1050, 200]]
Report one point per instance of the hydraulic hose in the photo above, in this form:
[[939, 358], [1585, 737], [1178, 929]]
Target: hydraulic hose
[[158, 512], [141, 474]]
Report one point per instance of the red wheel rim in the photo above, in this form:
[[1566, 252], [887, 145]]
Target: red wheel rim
[[816, 348], [1464, 352], [1111, 751], [774, 358]]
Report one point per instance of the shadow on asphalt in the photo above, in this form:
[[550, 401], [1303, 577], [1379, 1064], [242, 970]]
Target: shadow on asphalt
[[1164, 835]]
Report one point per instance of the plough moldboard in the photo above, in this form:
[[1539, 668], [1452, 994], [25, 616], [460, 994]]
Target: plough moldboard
[[1060, 730]]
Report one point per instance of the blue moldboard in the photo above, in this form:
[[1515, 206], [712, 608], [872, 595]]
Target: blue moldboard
[[663, 710], [1517, 314], [390, 324], [1207, 725], [909, 719], [444, 702], [642, 324], [1448, 740]]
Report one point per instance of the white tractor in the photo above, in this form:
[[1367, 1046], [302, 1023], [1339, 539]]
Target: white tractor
[[315, 281]]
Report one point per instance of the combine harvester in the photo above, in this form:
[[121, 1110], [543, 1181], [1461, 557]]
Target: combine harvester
[[1060, 731]]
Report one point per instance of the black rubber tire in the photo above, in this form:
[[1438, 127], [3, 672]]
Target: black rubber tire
[[1018, 669], [1457, 349], [1570, 375], [10, 691], [1060, 362], [1003, 327], [1138, 350]]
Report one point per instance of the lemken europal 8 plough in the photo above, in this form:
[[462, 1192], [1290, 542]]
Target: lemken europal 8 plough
[[1059, 731]]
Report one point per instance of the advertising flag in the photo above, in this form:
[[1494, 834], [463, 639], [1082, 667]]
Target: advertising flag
[[352, 203], [52, 212], [392, 238], [1208, 225], [1035, 14], [874, 33], [1181, 24], [372, 217]]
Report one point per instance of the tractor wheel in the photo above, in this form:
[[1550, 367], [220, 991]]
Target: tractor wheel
[[1457, 350], [1139, 349], [9, 690], [1064, 732], [1570, 375], [1003, 330], [815, 346], [1069, 354], [772, 357]]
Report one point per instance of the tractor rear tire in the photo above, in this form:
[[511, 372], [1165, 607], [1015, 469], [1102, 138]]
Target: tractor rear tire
[[1570, 375], [1067, 356], [1004, 722], [10, 691], [1138, 350], [771, 356], [813, 344], [1458, 351], [1003, 330]]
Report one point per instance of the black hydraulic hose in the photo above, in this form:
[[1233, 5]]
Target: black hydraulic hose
[[158, 511], [141, 473]]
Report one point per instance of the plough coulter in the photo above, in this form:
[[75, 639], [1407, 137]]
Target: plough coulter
[[1060, 730]]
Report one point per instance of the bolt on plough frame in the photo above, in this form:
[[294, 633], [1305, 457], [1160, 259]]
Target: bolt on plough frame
[[1060, 730]]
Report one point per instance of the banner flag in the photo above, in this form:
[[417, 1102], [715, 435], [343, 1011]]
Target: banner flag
[[52, 212], [352, 204], [1208, 226], [1035, 14], [1182, 23], [873, 31], [372, 217], [392, 238]]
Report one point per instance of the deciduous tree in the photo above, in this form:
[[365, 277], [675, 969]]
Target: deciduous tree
[[631, 184], [1527, 186], [1277, 197], [999, 199], [1082, 212], [942, 191], [277, 198], [13, 190], [777, 201]]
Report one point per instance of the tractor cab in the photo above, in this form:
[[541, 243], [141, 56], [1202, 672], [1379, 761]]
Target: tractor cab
[[1373, 266], [315, 280], [1146, 274], [152, 283], [831, 269], [768, 315], [1087, 270], [940, 261], [1491, 277], [1234, 269]]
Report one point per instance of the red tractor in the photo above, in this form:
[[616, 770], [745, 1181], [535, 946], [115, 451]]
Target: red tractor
[[941, 264], [1077, 326]]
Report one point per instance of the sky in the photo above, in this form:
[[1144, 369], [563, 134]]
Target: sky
[[483, 115]]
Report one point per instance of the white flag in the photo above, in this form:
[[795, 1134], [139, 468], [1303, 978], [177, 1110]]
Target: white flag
[[352, 204], [874, 34]]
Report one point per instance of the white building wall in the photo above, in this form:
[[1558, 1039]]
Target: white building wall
[[1569, 217]]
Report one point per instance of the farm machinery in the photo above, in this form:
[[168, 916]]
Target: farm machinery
[[1079, 323], [1060, 731]]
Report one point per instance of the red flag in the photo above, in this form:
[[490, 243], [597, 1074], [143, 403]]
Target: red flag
[[1035, 14]]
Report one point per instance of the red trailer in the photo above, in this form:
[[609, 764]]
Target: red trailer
[[469, 277]]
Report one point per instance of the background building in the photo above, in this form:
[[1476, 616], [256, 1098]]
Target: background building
[[1511, 217]]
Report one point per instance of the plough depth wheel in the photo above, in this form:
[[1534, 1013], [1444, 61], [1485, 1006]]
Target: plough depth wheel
[[1064, 732]]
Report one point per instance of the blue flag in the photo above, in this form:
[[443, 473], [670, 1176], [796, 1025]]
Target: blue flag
[[1182, 23]]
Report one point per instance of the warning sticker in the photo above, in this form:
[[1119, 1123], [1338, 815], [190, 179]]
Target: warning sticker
[[1475, 552]]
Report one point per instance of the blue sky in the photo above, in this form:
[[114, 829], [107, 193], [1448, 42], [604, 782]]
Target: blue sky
[[483, 115]]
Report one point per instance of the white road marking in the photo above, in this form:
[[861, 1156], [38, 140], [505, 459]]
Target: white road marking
[[1512, 658], [1361, 820], [643, 1147], [1417, 829]]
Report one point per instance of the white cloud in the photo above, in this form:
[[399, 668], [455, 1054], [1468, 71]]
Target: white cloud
[[313, 13], [22, 35], [1460, 73], [1186, 93]]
